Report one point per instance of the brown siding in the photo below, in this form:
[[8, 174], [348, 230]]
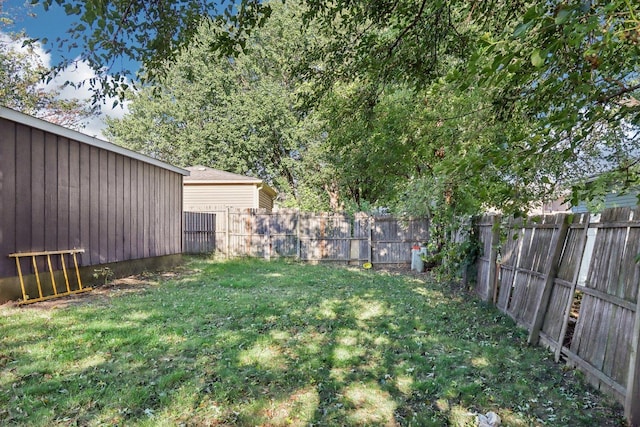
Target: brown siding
[[59, 193], [8, 188]]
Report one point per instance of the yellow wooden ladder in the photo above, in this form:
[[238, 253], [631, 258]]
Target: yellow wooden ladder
[[48, 254]]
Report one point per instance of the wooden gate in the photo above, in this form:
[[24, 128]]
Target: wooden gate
[[199, 233]]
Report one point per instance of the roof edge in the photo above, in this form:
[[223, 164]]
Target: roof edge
[[43, 125]]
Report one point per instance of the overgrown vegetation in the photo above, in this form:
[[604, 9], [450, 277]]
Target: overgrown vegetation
[[255, 343]]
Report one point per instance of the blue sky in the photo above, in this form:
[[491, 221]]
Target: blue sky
[[40, 24], [53, 24]]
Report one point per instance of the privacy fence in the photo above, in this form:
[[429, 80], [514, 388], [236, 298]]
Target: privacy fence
[[572, 281], [318, 237], [199, 233]]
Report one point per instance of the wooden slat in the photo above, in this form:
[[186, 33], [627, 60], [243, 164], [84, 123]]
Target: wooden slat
[[75, 201], [555, 252], [8, 224], [50, 181], [63, 193], [606, 297], [586, 366]]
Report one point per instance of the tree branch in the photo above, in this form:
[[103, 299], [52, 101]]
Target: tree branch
[[625, 89], [407, 28]]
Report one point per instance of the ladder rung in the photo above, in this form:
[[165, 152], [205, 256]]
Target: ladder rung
[[47, 254]]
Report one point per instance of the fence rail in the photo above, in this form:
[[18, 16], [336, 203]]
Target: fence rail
[[572, 281], [318, 237]]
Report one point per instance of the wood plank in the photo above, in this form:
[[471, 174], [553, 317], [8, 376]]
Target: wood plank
[[148, 211], [171, 218], [51, 221], [63, 194], [492, 275], [555, 251], [632, 398], [8, 224], [111, 208], [614, 342], [126, 208], [580, 249], [118, 212], [37, 192], [154, 231], [587, 367], [136, 234], [103, 208], [163, 248], [74, 195], [606, 297], [84, 205]]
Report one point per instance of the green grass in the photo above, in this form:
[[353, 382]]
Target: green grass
[[255, 343]]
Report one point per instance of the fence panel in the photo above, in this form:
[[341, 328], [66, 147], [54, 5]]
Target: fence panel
[[488, 235], [393, 238], [606, 318], [559, 318], [509, 262], [199, 233], [361, 246], [320, 237], [325, 237], [575, 286], [284, 233]]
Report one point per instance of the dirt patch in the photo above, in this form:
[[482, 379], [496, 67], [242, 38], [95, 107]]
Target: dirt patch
[[102, 293]]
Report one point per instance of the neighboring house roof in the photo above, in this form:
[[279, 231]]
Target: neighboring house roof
[[36, 123], [205, 175]]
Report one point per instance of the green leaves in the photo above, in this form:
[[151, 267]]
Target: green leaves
[[537, 59]]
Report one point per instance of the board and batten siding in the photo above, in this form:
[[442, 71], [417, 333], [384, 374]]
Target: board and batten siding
[[62, 190], [210, 197]]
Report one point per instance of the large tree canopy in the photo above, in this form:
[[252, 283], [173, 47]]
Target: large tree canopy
[[234, 113], [494, 100]]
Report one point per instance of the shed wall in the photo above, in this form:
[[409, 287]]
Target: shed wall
[[209, 197], [58, 193]]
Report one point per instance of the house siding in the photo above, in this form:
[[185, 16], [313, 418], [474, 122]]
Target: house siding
[[612, 201], [209, 197], [266, 201], [59, 193]]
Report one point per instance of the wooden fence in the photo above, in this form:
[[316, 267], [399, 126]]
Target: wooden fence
[[199, 234], [572, 281], [318, 237]]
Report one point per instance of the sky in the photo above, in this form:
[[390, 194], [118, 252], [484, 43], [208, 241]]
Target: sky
[[51, 24]]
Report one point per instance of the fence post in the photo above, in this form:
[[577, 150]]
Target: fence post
[[370, 238], [557, 245], [492, 286], [228, 232], [632, 398], [298, 240], [267, 238]]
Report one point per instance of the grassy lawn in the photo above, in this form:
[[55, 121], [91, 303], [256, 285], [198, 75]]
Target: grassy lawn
[[255, 343]]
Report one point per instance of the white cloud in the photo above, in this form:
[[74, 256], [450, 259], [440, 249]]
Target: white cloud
[[79, 75]]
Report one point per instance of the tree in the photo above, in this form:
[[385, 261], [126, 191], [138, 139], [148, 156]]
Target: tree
[[566, 69], [22, 87], [233, 113]]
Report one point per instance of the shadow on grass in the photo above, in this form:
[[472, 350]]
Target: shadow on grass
[[254, 343]]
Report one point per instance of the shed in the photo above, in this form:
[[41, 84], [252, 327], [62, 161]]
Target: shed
[[61, 189], [208, 190]]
